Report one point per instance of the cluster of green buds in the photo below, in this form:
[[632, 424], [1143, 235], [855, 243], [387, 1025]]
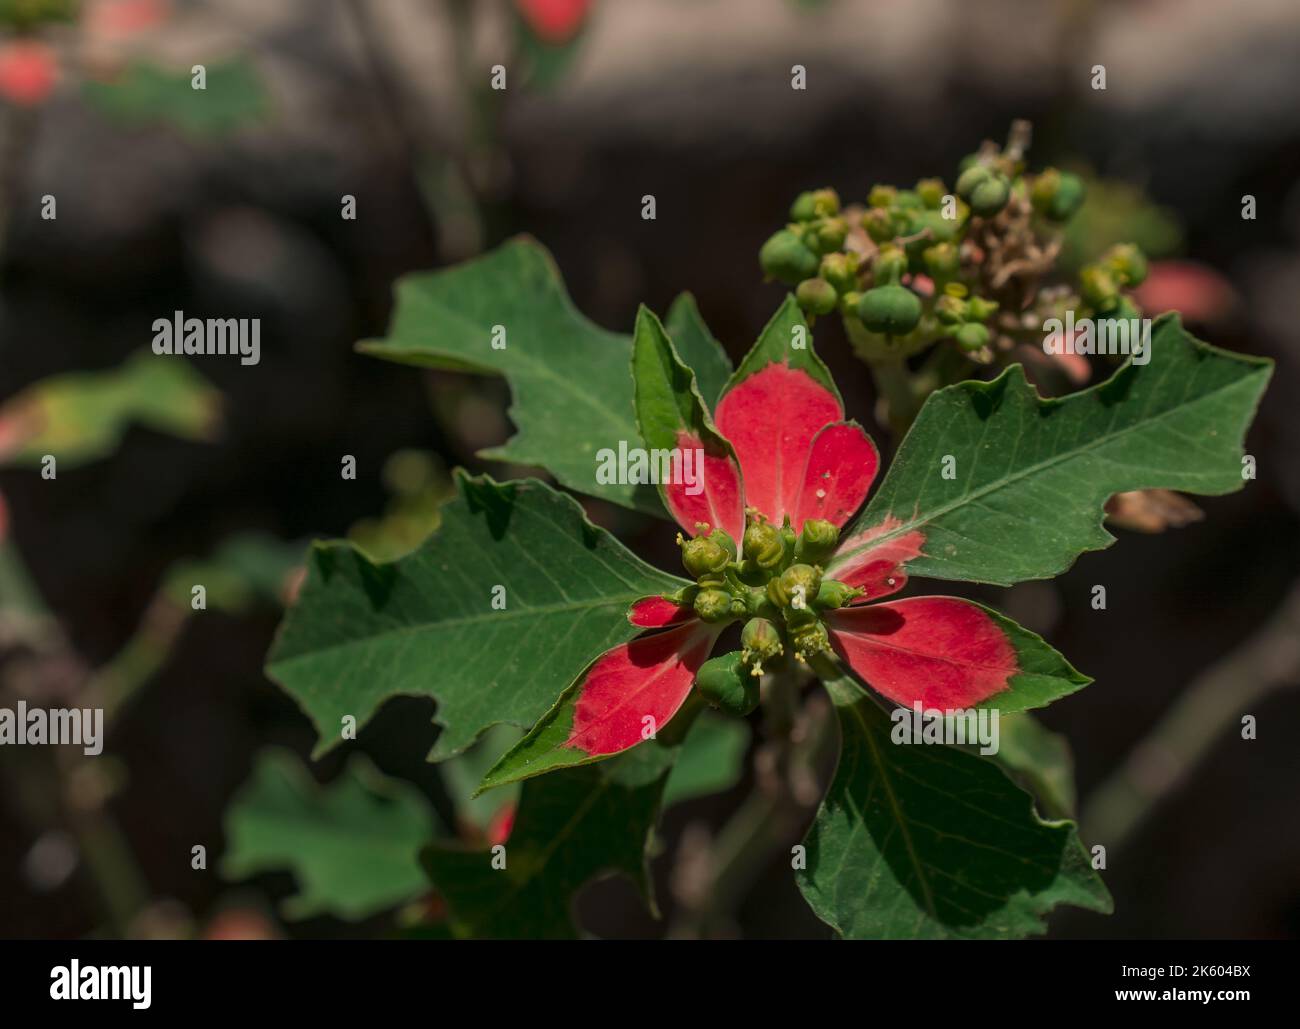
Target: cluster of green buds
[[775, 583], [1101, 284], [911, 267]]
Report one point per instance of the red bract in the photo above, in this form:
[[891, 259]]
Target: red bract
[[796, 458], [28, 72], [554, 21]]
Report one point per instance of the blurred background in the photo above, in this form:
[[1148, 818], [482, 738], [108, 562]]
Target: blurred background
[[220, 473]]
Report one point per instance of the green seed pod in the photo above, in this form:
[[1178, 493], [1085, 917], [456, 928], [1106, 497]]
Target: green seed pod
[[713, 605], [796, 587], [990, 196], [833, 594], [703, 556], [931, 192], [804, 208], [816, 296], [728, 685], [941, 261], [762, 545], [761, 641], [941, 229], [817, 541], [1128, 262], [785, 257], [980, 309], [1098, 287], [808, 638], [972, 336], [890, 310], [841, 271]]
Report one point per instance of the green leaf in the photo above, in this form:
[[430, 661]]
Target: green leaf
[[353, 845], [668, 401], [928, 841], [1032, 475], [145, 93], [425, 624], [786, 338], [1039, 760], [695, 343], [572, 826], [81, 416], [569, 379], [711, 759]]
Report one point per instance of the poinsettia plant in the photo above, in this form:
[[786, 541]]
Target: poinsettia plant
[[520, 610]]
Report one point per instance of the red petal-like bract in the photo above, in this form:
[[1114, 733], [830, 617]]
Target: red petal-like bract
[[656, 612], [770, 419], [28, 72], [941, 651], [554, 21], [879, 569], [719, 501], [649, 676], [842, 463]]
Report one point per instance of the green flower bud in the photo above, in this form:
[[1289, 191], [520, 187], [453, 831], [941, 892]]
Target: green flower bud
[[974, 175], [785, 257], [723, 539], [981, 310], [817, 541], [931, 192], [762, 545], [713, 605], [879, 224], [889, 265], [990, 196], [882, 196], [813, 204], [808, 638], [941, 261], [816, 296], [833, 594], [972, 336], [941, 229], [1057, 195], [703, 556], [795, 588], [841, 271], [761, 641], [849, 302], [951, 310], [1127, 262], [908, 200], [728, 685], [826, 235], [891, 310], [1098, 287]]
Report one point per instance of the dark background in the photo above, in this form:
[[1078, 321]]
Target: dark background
[[690, 102]]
